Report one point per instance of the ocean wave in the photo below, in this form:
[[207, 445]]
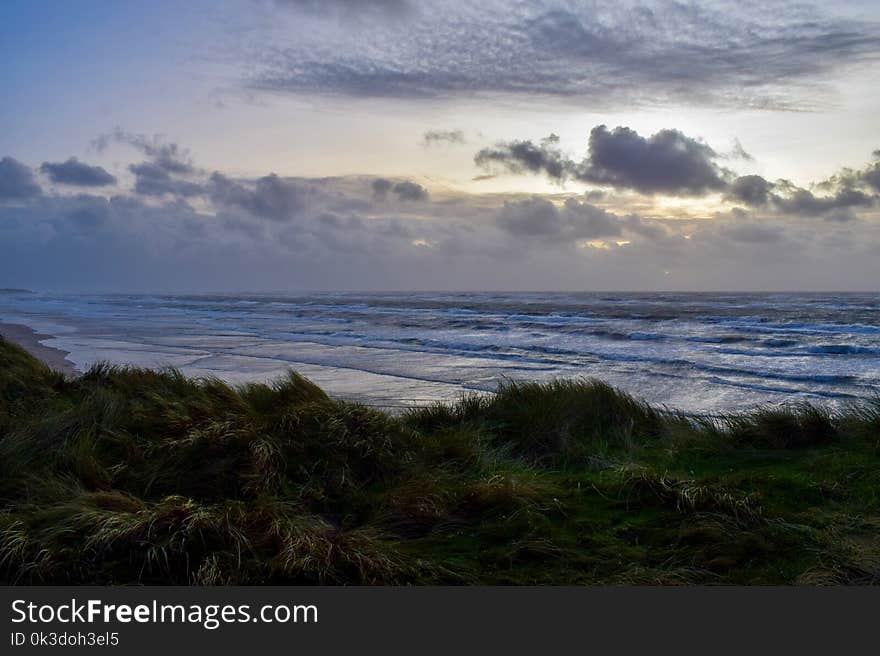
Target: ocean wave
[[684, 345], [778, 342], [638, 336], [843, 349]]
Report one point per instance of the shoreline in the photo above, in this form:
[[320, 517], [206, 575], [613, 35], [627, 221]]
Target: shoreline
[[29, 340]]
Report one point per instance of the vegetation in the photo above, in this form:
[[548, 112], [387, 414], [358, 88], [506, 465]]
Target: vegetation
[[128, 476]]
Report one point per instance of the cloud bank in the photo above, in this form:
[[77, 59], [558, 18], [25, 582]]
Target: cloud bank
[[177, 226], [773, 55]]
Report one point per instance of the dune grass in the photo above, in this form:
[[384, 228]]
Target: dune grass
[[131, 476]]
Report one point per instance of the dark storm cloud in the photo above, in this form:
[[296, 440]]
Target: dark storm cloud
[[667, 162], [17, 181], [722, 53], [433, 137], [153, 179], [76, 173], [269, 197]]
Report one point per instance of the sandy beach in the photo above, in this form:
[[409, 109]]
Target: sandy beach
[[29, 340]]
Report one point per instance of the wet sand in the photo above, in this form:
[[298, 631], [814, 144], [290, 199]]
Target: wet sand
[[30, 342]]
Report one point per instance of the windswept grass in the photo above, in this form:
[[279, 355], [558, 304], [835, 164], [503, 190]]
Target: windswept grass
[[136, 476]]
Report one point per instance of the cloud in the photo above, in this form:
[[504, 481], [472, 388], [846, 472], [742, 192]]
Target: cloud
[[801, 202], [868, 177], [87, 212], [153, 179], [17, 181], [754, 233], [652, 230], [381, 187], [615, 54], [410, 191], [168, 169], [871, 175], [433, 137], [168, 156], [531, 218], [268, 197], [739, 152], [350, 8], [753, 190], [523, 156], [538, 217], [667, 162], [76, 173], [405, 190], [784, 197]]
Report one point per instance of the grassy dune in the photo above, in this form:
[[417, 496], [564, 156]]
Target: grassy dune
[[134, 476]]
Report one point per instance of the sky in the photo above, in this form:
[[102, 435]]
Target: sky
[[287, 145]]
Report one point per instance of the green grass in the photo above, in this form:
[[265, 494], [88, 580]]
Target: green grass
[[131, 476]]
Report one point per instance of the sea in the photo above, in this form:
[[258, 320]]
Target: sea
[[696, 352]]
